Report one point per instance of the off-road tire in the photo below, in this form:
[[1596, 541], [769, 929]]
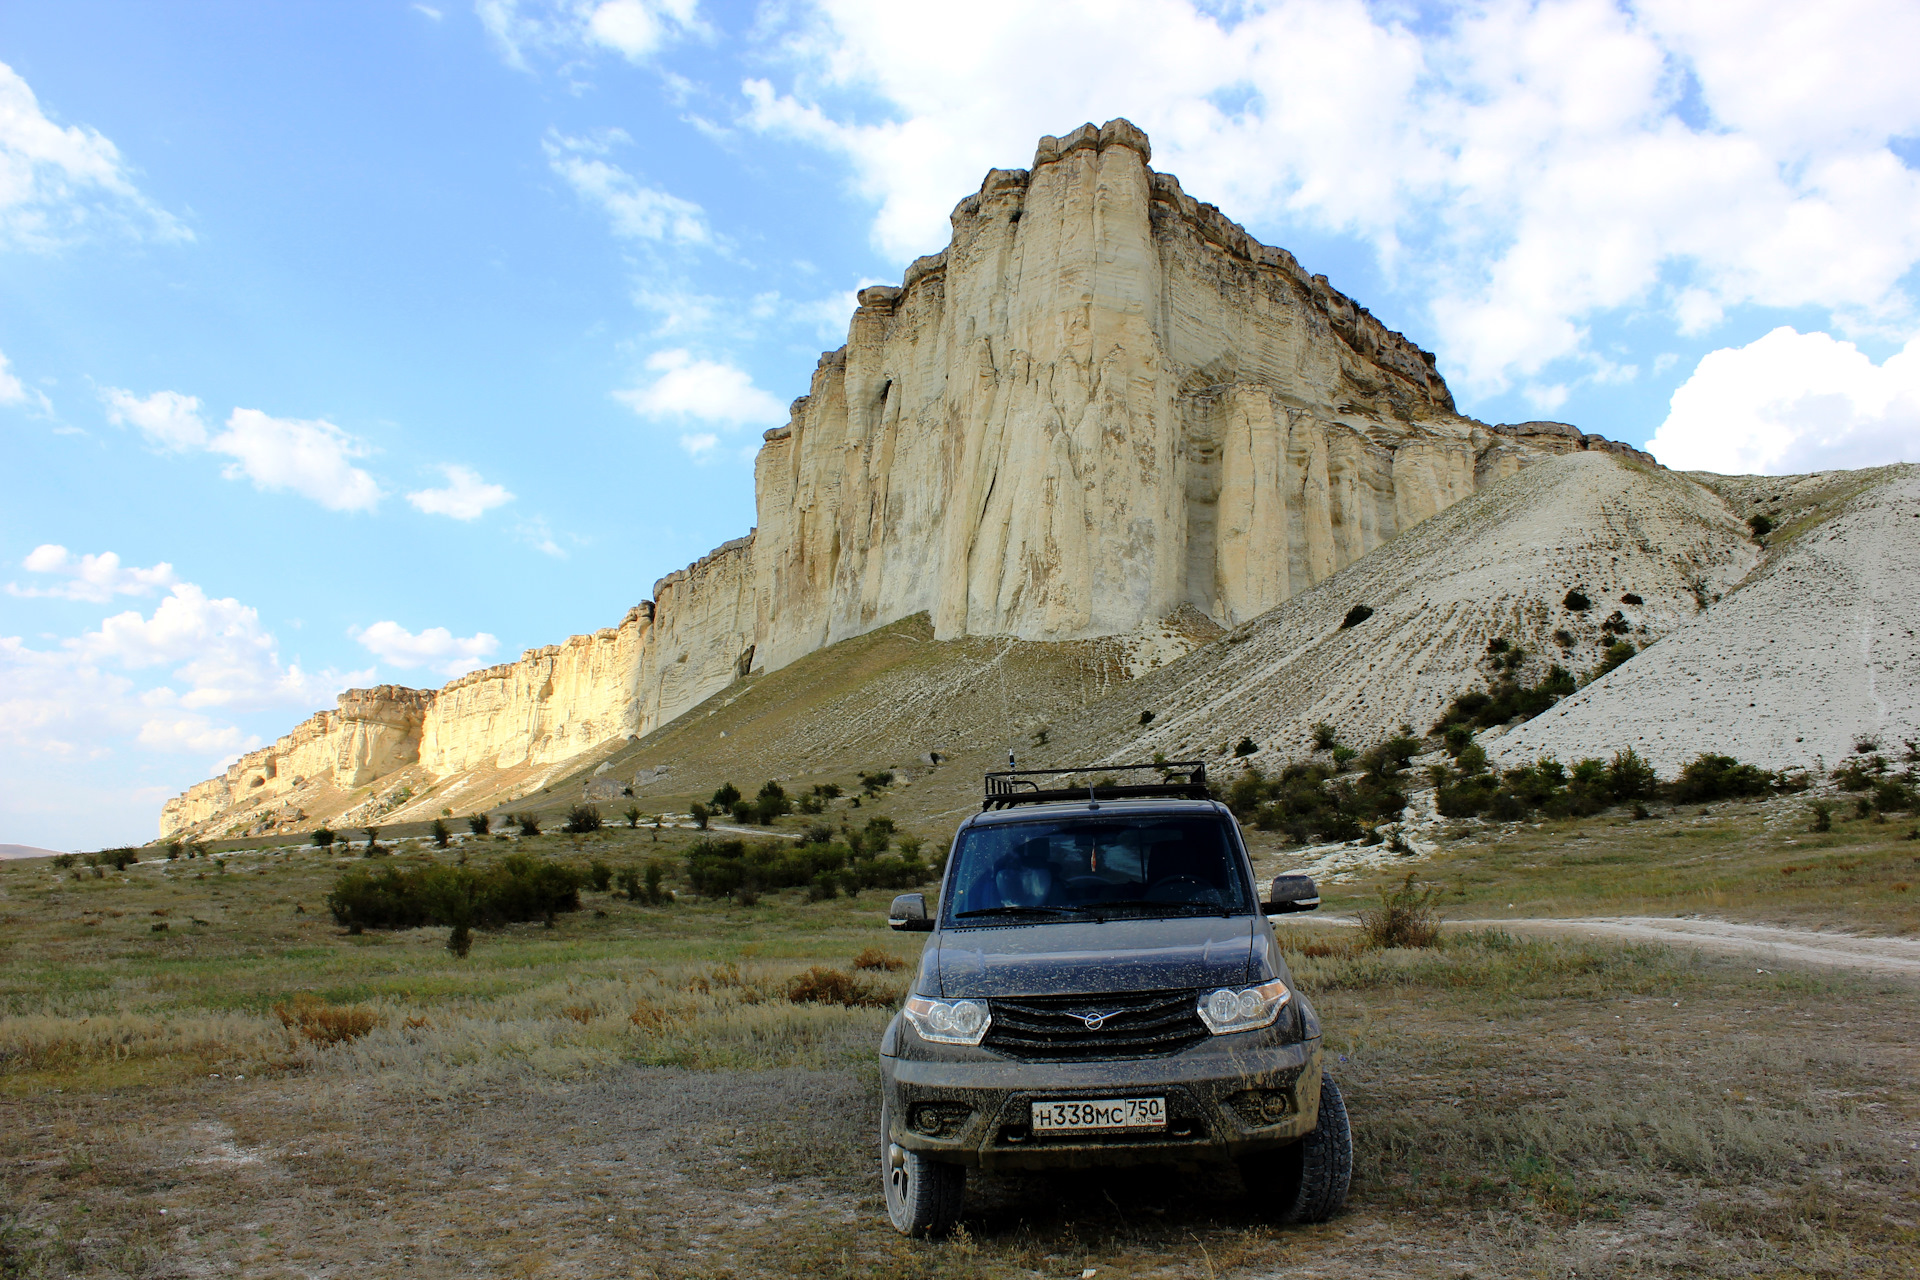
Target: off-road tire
[[1307, 1182], [923, 1196]]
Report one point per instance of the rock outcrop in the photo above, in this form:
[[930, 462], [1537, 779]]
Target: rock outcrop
[[1104, 403]]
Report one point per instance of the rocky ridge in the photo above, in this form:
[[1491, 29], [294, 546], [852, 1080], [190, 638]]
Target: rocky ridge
[[1104, 405]]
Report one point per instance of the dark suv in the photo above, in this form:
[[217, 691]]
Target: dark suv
[[1103, 987]]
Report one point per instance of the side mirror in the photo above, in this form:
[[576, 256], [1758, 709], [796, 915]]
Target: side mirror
[[909, 914], [1292, 893]]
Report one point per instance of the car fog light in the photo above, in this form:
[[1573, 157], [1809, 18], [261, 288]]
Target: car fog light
[[1227, 1010], [944, 1022]]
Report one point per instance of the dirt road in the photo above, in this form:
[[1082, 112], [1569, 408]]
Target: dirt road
[[1763, 942]]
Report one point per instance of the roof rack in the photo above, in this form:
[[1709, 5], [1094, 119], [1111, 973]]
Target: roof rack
[[1023, 786]]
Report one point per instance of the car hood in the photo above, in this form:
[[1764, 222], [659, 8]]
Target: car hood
[[1093, 957]]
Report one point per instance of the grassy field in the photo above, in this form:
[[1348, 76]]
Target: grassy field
[[631, 1091]]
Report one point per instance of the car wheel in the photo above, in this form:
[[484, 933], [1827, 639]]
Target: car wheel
[[923, 1196], [1307, 1182]]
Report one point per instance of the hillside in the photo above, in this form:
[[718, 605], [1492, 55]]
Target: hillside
[[1499, 564], [1814, 654]]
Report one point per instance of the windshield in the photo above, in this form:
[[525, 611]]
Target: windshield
[[1065, 870]]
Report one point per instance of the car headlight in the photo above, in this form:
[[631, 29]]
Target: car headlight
[[1246, 1009], [944, 1022]]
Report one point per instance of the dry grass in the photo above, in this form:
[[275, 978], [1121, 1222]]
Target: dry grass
[[638, 1093], [323, 1024]]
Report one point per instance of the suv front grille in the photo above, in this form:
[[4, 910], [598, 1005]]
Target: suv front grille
[[1137, 1025]]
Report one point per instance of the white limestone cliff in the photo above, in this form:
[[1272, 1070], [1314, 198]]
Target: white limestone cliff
[[1101, 404]]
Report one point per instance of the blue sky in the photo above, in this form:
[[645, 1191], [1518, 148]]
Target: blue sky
[[370, 342]]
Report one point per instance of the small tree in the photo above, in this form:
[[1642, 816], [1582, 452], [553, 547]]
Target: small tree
[[725, 798], [633, 816], [440, 833], [322, 838], [874, 783], [1323, 736], [480, 824], [655, 895], [700, 815], [460, 941], [599, 875], [582, 819], [528, 823], [1246, 747], [373, 839], [771, 803]]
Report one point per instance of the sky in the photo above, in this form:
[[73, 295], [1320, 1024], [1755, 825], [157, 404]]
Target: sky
[[371, 341]]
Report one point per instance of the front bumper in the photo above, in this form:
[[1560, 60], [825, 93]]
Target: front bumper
[[1224, 1101]]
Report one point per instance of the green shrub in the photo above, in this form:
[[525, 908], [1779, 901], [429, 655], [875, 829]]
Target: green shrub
[[1629, 777], [440, 833], [1245, 747], [827, 790], [1310, 800], [64, 861], [1563, 638], [632, 815], [874, 783], [771, 803], [652, 891], [322, 838], [582, 819], [1146, 718], [1617, 653], [1891, 795], [725, 798], [1715, 777], [1483, 709], [518, 888], [1577, 601], [1323, 736], [1822, 815], [1760, 524], [1405, 917], [700, 815], [479, 824], [1355, 616], [373, 838], [529, 823], [1458, 736], [811, 803], [733, 868], [599, 875]]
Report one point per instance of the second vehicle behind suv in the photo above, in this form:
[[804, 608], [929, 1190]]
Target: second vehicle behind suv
[[1102, 986]]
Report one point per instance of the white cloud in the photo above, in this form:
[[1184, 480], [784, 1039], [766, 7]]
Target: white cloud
[[11, 392], [466, 497], [632, 28], [635, 212], [195, 733], [699, 444], [1522, 168], [214, 646], [1793, 402], [536, 533], [97, 578], [704, 391], [56, 184], [166, 418], [312, 459], [429, 11], [436, 648]]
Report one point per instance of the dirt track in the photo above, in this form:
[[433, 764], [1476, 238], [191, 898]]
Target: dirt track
[[1888, 956]]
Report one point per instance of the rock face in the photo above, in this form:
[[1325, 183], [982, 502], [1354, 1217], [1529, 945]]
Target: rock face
[[372, 733], [1103, 403]]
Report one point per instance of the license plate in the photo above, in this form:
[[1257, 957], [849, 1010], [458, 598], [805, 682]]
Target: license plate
[[1082, 1115]]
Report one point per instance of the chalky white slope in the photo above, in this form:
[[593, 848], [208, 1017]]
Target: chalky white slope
[[1815, 652], [1497, 564]]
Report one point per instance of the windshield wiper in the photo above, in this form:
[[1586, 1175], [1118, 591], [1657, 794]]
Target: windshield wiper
[[1017, 911], [1170, 908]]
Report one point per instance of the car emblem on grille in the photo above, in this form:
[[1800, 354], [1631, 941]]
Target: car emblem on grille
[[1094, 1021]]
